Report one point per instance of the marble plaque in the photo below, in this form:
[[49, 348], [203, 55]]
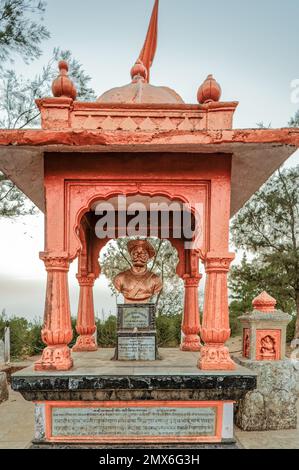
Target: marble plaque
[[134, 421], [136, 348], [135, 317]]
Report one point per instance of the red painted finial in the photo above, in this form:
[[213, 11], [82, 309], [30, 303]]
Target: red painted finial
[[138, 71], [209, 91], [62, 86], [264, 303]]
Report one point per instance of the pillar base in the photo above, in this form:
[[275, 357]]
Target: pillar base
[[55, 358], [191, 343], [215, 358], [85, 343]]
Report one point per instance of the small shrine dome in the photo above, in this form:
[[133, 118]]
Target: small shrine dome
[[140, 91]]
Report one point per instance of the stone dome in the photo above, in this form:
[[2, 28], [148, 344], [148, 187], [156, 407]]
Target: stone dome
[[141, 92]]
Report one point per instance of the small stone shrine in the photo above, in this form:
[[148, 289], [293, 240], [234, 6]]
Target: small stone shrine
[[272, 406], [264, 330]]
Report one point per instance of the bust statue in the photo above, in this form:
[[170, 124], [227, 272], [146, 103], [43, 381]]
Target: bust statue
[[138, 284]]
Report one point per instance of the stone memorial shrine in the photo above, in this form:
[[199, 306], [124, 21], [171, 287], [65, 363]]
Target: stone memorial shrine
[[143, 144], [272, 405]]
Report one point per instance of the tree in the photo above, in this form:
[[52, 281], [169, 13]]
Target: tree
[[268, 228], [18, 110], [115, 258], [18, 95], [19, 32], [294, 122]]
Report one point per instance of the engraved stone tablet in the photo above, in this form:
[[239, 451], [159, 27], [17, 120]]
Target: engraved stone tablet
[[136, 348], [140, 316], [136, 317], [134, 421]]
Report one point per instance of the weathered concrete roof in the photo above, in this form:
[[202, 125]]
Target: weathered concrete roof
[[257, 153]]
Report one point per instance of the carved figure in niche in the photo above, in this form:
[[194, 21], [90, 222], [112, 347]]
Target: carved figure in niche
[[268, 347]]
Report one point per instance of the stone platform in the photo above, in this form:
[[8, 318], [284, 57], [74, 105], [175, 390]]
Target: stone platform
[[160, 402]]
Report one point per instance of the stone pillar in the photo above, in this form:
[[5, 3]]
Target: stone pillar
[[86, 319], [57, 330], [215, 329], [191, 321]]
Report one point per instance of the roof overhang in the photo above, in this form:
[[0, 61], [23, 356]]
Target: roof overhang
[[256, 153]]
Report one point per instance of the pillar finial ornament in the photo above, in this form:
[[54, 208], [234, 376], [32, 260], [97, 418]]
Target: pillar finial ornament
[[63, 86], [209, 91], [264, 303]]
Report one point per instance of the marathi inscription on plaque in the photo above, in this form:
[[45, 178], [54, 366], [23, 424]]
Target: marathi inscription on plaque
[[136, 348], [135, 317], [135, 421]]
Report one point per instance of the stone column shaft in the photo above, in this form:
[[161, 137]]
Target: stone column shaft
[[215, 329], [57, 329], [191, 320], [86, 318]]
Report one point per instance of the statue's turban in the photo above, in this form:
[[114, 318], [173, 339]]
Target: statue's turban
[[132, 244]]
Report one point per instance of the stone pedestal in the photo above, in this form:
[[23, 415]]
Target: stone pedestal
[[3, 387], [136, 333], [272, 406], [104, 402]]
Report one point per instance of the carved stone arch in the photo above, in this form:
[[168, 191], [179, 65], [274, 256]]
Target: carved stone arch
[[79, 206]]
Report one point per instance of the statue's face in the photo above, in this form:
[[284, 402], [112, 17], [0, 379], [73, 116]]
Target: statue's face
[[139, 256]]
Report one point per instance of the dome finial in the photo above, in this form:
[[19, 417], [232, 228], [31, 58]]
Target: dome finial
[[62, 86], [264, 303], [209, 91], [138, 72]]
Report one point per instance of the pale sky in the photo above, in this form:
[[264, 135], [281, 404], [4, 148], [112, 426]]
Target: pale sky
[[251, 47]]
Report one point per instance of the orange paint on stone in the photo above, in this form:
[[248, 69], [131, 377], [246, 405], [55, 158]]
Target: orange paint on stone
[[209, 91], [217, 437], [86, 327], [191, 322], [57, 330], [268, 345], [264, 303]]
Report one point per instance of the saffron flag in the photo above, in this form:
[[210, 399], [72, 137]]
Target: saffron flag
[[150, 46]]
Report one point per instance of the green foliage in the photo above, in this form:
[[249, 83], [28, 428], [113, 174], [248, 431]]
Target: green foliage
[[18, 110], [169, 330], [294, 122], [19, 32], [18, 95], [106, 332], [268, 228], [24, 336], [236, 309], [291, 329]]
